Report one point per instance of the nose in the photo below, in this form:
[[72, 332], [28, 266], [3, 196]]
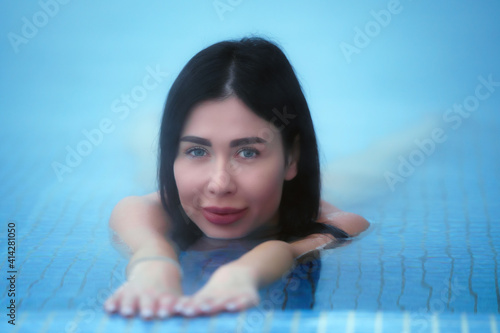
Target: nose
[[221, 180]]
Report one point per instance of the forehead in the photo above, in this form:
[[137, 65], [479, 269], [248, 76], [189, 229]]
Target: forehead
[[229, 118]]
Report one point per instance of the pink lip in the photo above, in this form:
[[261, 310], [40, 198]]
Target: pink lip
[[223, 215]]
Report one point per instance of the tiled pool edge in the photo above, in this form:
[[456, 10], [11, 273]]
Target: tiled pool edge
[[299, 321]]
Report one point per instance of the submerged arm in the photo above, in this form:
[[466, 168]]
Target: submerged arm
[[271, 259], [234, 286], [351, 223], [152, 284]]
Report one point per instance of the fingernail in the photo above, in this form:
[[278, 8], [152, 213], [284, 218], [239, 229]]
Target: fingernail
[[178, 307], [162, 313], [188, 312], [110, 307], [205, 308], [146, 313], [230, 306], [127, 311]]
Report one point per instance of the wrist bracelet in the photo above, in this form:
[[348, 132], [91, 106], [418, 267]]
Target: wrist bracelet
[[134, 263]]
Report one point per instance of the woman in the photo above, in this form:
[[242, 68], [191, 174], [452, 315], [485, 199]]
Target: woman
[[238, 159]]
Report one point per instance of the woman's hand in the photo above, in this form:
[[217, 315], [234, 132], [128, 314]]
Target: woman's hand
[[232, 287], [153, 287], [152, 290]]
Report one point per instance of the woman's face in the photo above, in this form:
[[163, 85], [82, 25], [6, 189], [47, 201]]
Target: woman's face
[[230, 169]]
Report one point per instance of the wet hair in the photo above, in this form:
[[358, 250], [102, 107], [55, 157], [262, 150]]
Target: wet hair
[[257, 72]]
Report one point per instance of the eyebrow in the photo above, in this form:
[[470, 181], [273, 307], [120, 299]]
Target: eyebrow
[[232, 144]]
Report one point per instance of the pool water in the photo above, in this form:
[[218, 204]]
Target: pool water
[[72, 145], [428, 263]]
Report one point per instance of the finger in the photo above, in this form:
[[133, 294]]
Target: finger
[[238, 303], [165, 306], [242, 303], [128, 304], [184, 307], [198, 306], [146, 306], [111, 304], [205, 305]]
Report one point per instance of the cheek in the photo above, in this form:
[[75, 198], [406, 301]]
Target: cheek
[[264, 187]]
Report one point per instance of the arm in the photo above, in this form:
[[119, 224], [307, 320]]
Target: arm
[[351, 223], [234, 286], [270, 260], [141, 223]]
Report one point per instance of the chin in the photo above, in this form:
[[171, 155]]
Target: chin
[[226, 235]]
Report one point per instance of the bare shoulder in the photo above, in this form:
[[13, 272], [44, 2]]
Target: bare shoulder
[[152, 198], [351, 223], [145, 211], [134, 203]]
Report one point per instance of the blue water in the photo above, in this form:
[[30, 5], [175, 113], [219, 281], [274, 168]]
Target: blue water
[[71, 147]]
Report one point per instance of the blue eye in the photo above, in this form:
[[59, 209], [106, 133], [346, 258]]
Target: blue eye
[[248, 153], [196, 152]]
